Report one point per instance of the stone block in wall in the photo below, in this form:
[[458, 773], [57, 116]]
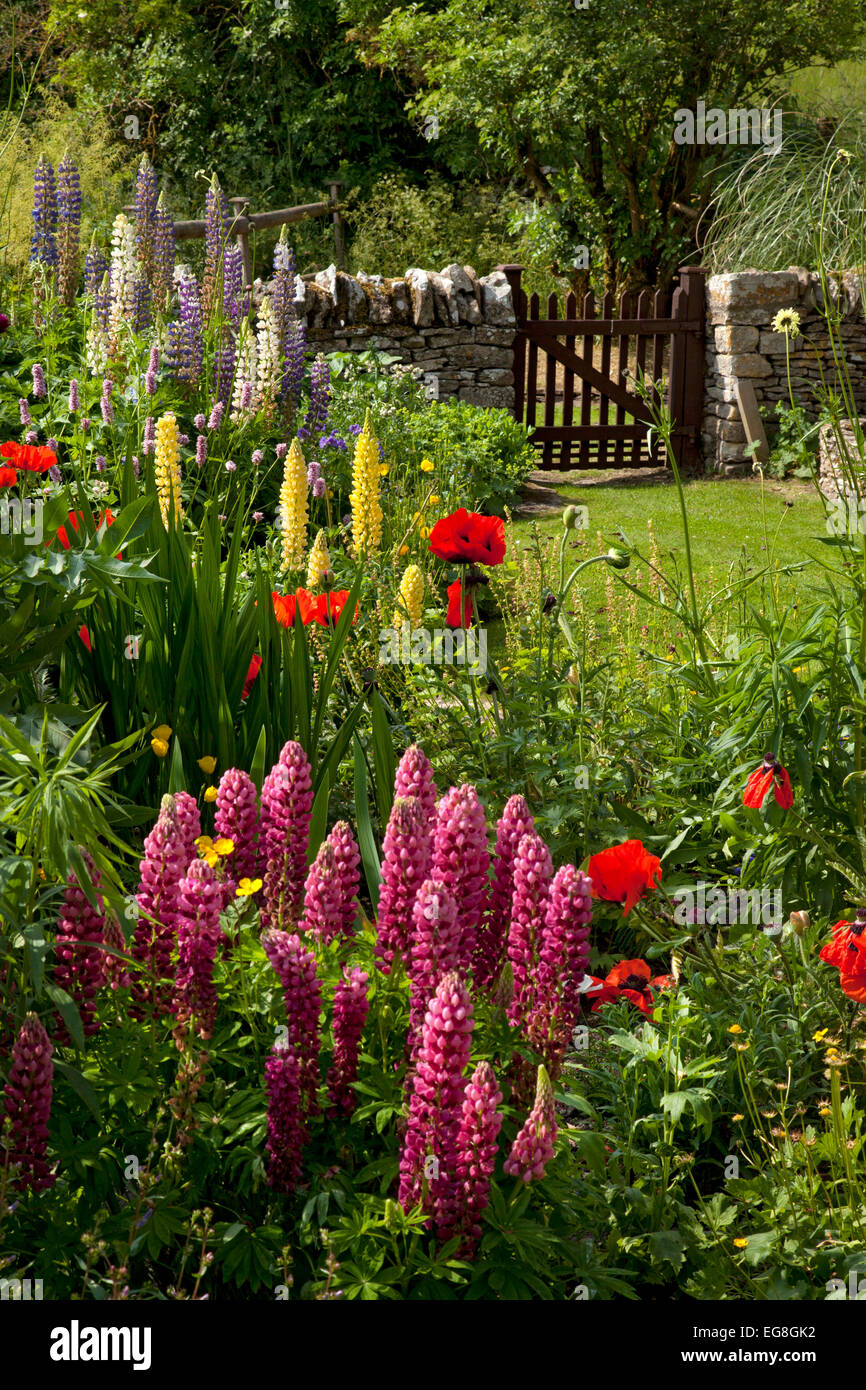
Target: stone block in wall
[[470, 354], [773, 343], [735, 337], [468, 310], [743, 364], [347, 296], [489, 396], [496, 293], [729, 453], [751, 296], [444, 300], [421, 292], [486, 334], [496, 376], [840, 471]]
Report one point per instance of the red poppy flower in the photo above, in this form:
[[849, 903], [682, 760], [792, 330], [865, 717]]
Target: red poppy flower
[[847, 950], [328, 607], [468, 537], [8, 477], [452, 617], [632, 980], [285, 605], [34, 458], [624, 873], [85, 637], [854, 985], [73, 518], [771, 773], [254, 668]]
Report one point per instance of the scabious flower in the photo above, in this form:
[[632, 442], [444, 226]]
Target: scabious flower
[[351, 1006], [410, 600], [787, 321], [286, 1128], [533, 870], [414, 777], [27, 1102], [435, 948], [406, 851], [237, 819], [194, 994], [771, 773], [430, 1158], [366, 511], [293, 509], [563, 958], [43, 246], [624, 873], [166, 468], [480, 1123], [533, 1148], [515, 822], [461, 860], [168, 850], [319, 562], [287, 803], [80, 932], [295, 967]]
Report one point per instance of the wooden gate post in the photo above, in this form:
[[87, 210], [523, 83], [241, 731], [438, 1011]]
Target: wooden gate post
[[241, 228], [687, 367], [512, 273], [339, 243]]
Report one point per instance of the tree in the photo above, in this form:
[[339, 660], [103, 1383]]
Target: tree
[[577, 98]]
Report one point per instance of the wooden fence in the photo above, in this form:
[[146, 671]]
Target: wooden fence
[[589, 416]]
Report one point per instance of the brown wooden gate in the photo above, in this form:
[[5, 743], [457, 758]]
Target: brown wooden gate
[[588, 416]]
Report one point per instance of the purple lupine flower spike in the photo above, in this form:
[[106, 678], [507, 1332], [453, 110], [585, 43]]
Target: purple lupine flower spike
[[415, 778], [347, 859], [351, 1006], [563, 958], [461, 860], [287, 803], [323, 903], [167, 852], [68, 229], [430, 1158], [95, 268], [27, 1102], [533, 1148], [115, 970], [163, 255], [320, 397], [237, 818], [533, 870], [434, 949], [80, 932], [145, 217], [295, 967], [406, 852], [194, 994], [480, 1123], [185, 346], [515, 822], [286, 1128], [43, 246]]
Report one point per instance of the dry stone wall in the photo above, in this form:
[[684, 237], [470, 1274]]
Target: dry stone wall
[[741, 345], [457, 328]]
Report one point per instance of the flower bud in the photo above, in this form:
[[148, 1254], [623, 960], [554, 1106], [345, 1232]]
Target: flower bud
[[617, 558], [799, 922], [570, 518]]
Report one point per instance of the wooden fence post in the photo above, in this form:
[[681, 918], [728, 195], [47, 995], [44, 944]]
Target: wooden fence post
[[339, 241], [687, 367], [512, 273], [242, 237]]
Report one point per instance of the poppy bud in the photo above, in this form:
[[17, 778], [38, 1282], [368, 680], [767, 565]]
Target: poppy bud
[[799, 922], [618, 559], [573, 675], [570, 518]]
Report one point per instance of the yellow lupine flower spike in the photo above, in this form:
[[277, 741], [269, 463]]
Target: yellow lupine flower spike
[[318, 563], [293, 508], [166, 467], [411, 598], [366, 511]]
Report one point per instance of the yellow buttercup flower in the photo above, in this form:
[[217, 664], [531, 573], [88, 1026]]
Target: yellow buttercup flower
[[247, 887], [424, 532], [159, 746], [822, 1033], [366, 511], [224, 846], [384, 470], [741, 1243], [735, 1119], [735, 1028], [210, 794], [410, 602], [319, 562], [433, 500], [207, 764], [162, 731], [293, 508], [166, 467], [427, 465], [207, 849]]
